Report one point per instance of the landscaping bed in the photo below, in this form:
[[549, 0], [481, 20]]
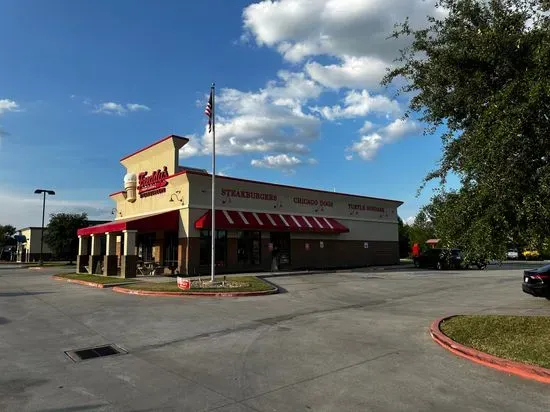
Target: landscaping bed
[[519, 338], [232, 286]]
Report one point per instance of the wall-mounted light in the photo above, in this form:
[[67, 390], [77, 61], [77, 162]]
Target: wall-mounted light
[[177, 196]]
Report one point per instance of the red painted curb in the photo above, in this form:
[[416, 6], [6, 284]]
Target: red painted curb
[[121, 289], [81, 282], [524, 370]]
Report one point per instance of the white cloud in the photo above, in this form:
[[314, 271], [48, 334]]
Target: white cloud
[[409, 220], [302, 28], [135, 107], [283, 162], [398, 128], [111, 108], [359, 104], [118, 108], [367, 127], [368, 145], [269, 120], [352, 72], [7, 105], [349, 157]]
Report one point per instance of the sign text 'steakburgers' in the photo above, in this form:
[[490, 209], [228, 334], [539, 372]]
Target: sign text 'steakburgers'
[[248, 195]]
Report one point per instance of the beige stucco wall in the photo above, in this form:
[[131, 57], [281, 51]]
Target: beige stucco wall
[[379, 224], [177, 190], [33, 236], [176, 196], [367, 218]]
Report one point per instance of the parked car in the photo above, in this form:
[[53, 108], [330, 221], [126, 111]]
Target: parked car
[[439, 259], [512, 254], [536, 282], [531, 254]]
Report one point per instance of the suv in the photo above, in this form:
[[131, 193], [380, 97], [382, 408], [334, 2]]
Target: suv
[[439, 259], [512, 254]]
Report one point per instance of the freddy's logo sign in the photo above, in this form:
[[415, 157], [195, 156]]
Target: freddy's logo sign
[[149, 185]]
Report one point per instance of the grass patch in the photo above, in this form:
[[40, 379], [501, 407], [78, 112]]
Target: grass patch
[[253, 284], [519, 338], [104, 280]]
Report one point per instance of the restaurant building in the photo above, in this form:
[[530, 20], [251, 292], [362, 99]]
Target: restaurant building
[[163, 214]]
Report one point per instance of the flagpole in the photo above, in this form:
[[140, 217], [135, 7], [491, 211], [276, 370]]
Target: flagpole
[[213, 235]]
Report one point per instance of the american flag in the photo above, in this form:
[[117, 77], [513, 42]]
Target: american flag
[[208, 110]]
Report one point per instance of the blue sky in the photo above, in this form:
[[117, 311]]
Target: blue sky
[[83, 83]]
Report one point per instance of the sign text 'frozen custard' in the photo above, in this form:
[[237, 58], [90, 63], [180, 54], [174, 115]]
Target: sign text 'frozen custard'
[[153, 184]]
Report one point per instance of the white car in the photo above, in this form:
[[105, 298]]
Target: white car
[[512, 254]]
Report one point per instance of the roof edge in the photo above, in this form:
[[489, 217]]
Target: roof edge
[[398, 202], [175, 136]]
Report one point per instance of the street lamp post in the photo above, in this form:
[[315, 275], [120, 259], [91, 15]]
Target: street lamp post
[[44, 192]]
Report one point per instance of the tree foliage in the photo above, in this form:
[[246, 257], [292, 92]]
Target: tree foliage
[[61, 235], [6, 233], [481, 74], [422, 229], [404, 238]]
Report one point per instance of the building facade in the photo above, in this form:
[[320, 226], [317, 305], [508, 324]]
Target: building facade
[[29, 250], [164, 215]]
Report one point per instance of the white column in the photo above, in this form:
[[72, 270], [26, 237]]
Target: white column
[[110, 244], [83, 245], [96, 245], [130, 242]]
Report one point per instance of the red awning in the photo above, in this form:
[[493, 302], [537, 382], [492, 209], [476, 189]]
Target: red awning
[[167, 221], [230, 219]]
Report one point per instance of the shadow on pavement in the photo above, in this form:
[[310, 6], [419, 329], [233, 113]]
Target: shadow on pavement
[[16, 294]]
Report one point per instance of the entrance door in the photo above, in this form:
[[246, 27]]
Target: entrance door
[[145, 246], [171, 249], [281, 249]]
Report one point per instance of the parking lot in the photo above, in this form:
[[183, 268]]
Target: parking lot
[[330, 342]]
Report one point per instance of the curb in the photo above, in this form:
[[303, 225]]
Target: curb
[[327, 271], [121, 289], [86, 283], [524, 370]]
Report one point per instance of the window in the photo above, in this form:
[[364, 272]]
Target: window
[[145, 244], [249, 248], [205, 247], [171, 249]]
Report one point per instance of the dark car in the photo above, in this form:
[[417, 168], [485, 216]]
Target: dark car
[[536, 282], [439, 259]]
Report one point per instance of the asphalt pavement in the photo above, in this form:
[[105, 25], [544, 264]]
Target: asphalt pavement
[[354, 341]]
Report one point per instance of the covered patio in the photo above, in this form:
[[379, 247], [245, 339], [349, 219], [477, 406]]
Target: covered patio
[[97, 245]]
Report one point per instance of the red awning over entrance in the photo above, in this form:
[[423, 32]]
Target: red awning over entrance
[[230, 219], [167, 221]]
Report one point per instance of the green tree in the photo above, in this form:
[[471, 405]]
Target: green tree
[[6, 233], [404, 239], [421, 229], [481, 76], [61, 235]]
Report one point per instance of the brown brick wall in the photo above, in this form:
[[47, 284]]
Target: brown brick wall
[[334, 254], [183, 251]]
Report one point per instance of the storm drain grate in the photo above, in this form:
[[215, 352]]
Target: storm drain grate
[[95, 352]]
